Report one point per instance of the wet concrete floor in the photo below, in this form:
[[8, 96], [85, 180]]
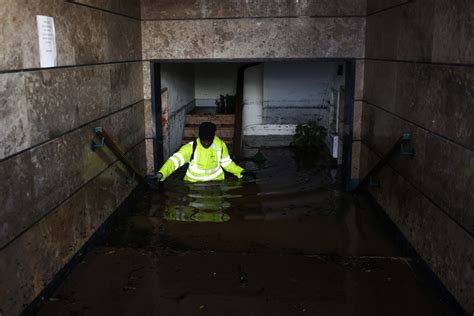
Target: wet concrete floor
[[288, 243]]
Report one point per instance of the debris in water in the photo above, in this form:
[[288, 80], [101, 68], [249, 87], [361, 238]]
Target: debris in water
[[258, 157], [243, 279], [129, 288]]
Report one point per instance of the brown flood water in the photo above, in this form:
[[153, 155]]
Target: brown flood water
[[288, 243]]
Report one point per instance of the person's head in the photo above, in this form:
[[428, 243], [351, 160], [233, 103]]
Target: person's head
[[207, 131]]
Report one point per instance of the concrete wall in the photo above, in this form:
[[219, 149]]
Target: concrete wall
[[419, 78], [214, 79], [201, 29], [179, 81], [55, 192]]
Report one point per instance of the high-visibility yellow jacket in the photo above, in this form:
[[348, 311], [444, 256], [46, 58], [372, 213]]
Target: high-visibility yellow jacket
[[205, 165]]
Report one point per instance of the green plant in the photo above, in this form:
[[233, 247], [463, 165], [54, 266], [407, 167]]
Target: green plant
[[225, 104], [309, 136]]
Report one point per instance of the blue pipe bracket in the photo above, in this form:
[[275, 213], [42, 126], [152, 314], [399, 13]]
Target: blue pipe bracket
[[374, 182], [94, 145], [406, 137]]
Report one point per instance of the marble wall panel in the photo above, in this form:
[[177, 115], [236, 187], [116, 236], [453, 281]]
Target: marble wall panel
[[177, 39], [284, 38], [125, 7], [147, 80], [40, 105], [254, 38], [439, 98], [452, 32], [356, 160], [383, 31], [359, 80], [417, 80], [424, 30], [30, 262], [84, 35], [415, 36], [206, 9], [444, 245], [374, 6], [39, 179], [380, 84], [367, 160], [448, 179], [438, 165], [357, 132]]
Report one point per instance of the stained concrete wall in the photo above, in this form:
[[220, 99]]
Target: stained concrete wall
[[178, 79], [210, 9], [55, 192], [130, 8], [202, 29], [419, 78]]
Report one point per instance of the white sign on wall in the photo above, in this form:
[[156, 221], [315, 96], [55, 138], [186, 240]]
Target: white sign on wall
[[47, 41]]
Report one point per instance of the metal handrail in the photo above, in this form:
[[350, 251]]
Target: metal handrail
[[399, 147], [107, 140]]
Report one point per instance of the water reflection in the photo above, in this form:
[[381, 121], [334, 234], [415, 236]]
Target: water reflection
[[200, 202], [294, 204]]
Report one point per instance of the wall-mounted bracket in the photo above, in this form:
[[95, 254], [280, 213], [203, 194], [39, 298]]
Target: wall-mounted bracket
[[406, 137], [130, 180], [94, 145], [106, 140], [399, 147], [99, 130], [374, 182], [407, 152]]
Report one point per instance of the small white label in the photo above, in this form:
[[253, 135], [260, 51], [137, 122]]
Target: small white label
[[47, 41], [335, 146]]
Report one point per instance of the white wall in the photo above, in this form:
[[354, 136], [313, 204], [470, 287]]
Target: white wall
[[253, 97], [214, 79], [295, 92], [179, 80]]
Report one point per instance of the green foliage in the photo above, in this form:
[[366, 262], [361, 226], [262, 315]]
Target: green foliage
[[226, 104], [309, 136]]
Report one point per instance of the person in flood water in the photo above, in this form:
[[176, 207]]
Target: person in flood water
[[207, 156]]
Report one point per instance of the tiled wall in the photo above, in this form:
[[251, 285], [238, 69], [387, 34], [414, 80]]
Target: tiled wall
[[55, 191], [203, 29], [419, 78]]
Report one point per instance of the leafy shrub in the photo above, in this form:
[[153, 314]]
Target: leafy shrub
[[226, 104], [309, 136]]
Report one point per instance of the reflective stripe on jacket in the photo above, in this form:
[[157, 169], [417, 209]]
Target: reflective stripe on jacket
[[206, 165]]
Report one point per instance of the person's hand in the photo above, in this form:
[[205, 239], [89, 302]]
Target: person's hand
[[153, 180], [249, 175]]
